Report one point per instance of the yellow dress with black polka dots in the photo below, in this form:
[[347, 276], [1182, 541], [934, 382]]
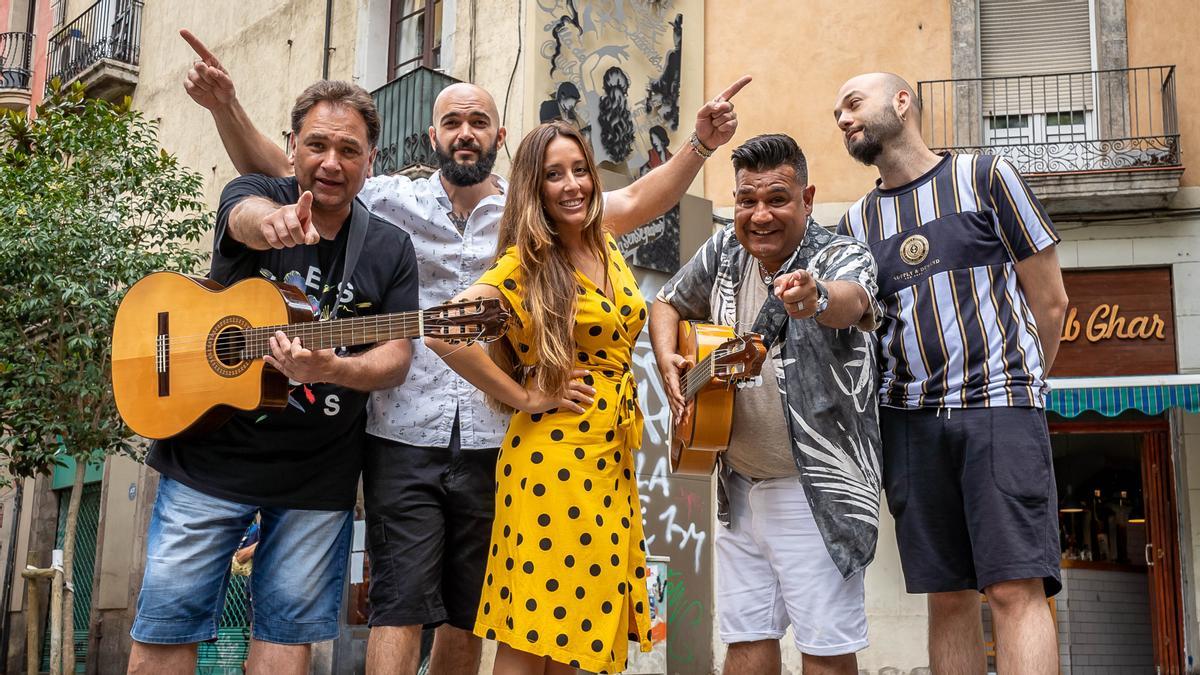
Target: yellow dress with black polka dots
[[567, 562]]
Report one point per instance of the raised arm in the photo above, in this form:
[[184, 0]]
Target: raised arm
[[209, 84], [655, 193]]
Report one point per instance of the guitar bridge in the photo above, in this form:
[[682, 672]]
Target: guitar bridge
[[162, 355]]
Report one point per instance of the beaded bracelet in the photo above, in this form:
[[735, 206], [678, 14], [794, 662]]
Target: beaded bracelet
[[701, 149]]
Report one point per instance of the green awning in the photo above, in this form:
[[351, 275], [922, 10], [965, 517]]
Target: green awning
[[1111, 396]]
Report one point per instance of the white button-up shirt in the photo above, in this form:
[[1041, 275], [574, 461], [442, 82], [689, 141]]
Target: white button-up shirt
[[421, 411]]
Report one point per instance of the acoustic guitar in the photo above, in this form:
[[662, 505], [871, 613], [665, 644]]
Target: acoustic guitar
[[723, 359], [187, 352]]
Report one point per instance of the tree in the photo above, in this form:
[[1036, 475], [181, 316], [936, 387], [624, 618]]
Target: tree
[[89, 204]]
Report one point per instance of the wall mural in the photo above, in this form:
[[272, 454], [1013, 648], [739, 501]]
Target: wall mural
[[612, 68]]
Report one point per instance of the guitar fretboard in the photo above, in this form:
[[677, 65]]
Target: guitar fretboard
[[340, 333], [701, 374]]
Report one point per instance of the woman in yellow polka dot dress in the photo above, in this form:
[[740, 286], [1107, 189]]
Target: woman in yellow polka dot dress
[[565, 585]]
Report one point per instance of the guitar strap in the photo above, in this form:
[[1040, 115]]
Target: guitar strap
[[360, 218], [772, 320]]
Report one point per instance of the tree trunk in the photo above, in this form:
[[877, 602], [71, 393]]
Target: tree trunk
[[56, 607], [68, 611]]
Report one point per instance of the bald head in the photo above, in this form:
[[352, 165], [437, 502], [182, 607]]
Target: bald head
[[465, 98], [881, 85], [465, 133]]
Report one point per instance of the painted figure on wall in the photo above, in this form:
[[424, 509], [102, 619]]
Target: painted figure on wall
[[662, 95], [616, 123], [615, 66], [660, 149], [562, 106]]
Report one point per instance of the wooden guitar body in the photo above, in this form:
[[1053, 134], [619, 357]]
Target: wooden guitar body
[[187, 352], [703, 435], [172, 369]]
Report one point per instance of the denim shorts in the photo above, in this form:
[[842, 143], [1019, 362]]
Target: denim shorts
[[295, 589]]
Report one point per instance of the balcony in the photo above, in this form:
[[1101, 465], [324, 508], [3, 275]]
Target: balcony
[[16, 70], [1092, 141], [100, 49], [406, 113]]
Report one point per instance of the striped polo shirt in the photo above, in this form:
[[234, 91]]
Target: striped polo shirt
[[957, 331]]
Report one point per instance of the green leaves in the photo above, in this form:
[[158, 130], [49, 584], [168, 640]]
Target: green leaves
[[89, 204]]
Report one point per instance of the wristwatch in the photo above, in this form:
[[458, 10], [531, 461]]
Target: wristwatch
[[822, 299]]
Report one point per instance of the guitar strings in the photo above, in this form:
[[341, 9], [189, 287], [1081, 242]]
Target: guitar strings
[[256, 347], [318, 330], [184, 357], [699, 375]]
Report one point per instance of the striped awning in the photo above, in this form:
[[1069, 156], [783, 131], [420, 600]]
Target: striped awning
[[1111, 396]]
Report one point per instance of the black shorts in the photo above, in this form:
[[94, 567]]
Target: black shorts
[[429, 522], [973, 494]]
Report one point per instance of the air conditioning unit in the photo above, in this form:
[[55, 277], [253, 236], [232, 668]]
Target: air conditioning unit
[[70, 56]]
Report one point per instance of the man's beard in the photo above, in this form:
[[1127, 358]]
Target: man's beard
[[874, 134], [466, 175]]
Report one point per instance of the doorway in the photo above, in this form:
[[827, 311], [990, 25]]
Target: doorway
[[1119, 540]]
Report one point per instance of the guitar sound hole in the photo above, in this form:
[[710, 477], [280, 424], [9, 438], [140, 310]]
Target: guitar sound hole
[[229, 347]]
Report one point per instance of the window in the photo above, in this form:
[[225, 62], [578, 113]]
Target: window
[[1036, 58], [416, 36]]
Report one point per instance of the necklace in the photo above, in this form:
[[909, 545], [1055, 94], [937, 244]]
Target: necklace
[[767, 277]]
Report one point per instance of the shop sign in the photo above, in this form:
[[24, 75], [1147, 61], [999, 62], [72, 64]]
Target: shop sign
[[1119, 322]]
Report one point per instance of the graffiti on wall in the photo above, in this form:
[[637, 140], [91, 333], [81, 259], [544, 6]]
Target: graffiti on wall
[[612, 69], [677, 518]]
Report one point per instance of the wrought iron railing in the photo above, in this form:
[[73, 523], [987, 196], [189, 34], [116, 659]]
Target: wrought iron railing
[[16, 60], [109, 29], [406, 112], [1058, 123]]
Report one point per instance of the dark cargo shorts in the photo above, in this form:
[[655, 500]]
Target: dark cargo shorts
[[429, 522], [972, 491]]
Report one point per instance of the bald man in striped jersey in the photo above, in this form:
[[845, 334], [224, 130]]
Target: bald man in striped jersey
[[973, 309]]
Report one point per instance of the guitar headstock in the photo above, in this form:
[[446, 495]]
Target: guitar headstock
[[466, 321], [740, 358]]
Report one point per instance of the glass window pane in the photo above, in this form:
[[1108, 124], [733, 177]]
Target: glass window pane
[[437, 23], [410, 36]]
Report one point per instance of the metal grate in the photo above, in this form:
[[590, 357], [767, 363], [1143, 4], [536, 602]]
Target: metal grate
[[406, 113], [109, 29], [226, 655], [16, 60], [1061, 122], [84, 569]]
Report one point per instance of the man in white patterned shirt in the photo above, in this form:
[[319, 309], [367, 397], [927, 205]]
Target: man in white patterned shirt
[[429, 467]]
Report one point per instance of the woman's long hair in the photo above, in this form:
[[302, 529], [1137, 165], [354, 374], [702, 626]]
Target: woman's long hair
[[548, 275]]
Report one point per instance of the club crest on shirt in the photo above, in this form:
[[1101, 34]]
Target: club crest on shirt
[[914, 250]]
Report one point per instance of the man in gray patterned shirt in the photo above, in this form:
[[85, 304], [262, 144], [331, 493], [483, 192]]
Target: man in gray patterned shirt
[[798, 487]]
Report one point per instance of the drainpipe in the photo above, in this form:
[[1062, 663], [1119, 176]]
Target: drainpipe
[[328, 31], [5, 602]]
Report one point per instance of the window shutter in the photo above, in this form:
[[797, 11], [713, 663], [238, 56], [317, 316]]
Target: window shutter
[[1050, 38]]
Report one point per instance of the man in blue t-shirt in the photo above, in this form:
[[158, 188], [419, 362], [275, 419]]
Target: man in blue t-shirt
[[973, 305], [298, 466]]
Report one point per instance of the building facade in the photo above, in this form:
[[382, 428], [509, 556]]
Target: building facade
[[1097, 102]]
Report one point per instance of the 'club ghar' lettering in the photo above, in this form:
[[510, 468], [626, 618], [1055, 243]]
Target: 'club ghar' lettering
[[1105, 322]]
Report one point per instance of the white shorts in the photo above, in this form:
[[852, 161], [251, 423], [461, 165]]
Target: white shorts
[[773, 570]]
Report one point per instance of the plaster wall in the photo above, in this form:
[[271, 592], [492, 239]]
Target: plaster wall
[[1158, 36], [800, 53], [272, 49]]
